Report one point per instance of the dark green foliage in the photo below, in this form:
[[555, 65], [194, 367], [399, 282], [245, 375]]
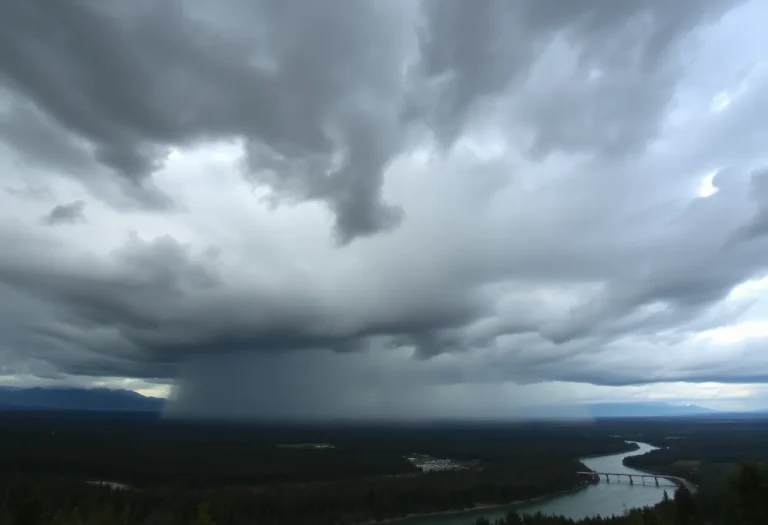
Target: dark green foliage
[[747, 502], [244, 472], [710, 453], [143, 451], [343, 501], [659, 515], [72, 503], [716, 444], [746, 497], [203, 514], [685, 507], [189, 474]]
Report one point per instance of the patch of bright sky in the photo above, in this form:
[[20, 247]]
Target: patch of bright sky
[[724, 99], [738, 333], [144, 388], [753, 292], [707, 187], [718, 396], [753, 288]]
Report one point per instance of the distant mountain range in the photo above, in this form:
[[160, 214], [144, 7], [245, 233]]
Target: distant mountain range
[[108, 400], [96, 399], [649, 409], [617, 410]]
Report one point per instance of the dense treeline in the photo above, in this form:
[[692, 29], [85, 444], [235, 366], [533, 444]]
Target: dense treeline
[[144, 451], [33, 501], [191, 473], [706, 451], [692, 449], [689, 441], [743, 502], [678, 511], [257, 474], [38, 502]]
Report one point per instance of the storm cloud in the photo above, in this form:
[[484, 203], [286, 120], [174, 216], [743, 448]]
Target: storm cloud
[[66, 213], [440, 196]]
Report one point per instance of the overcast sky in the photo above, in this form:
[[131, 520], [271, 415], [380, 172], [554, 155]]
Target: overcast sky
[[386, 209]]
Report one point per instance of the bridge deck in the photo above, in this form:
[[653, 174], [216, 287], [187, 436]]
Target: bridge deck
[[639, 475]]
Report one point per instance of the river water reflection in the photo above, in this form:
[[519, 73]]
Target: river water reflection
[[602, 498]]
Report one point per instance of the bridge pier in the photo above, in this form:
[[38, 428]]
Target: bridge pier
[[597, 476]]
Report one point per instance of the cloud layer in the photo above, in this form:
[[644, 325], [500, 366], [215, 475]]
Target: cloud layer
[[490, 191]]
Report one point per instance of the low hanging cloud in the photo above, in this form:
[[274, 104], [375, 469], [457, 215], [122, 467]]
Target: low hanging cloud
[[66, 214], [493, 191]]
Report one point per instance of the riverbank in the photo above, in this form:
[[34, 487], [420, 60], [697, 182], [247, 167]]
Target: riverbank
[[689, 485], [630, 449], [632, 446], [583, 501], [692, 487], [478, 507]]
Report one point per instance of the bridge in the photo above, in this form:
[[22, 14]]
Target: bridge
[[618, 475]]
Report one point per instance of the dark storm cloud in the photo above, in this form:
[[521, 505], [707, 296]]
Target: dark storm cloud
[[573, 251], [39, 140], [317, 91], [151, 304], [476, 50], [32, 193], [66, 214], [302, 83], [758, 227], [157, 301], [322, 385]]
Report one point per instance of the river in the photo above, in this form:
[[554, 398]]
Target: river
[[602, 498]]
